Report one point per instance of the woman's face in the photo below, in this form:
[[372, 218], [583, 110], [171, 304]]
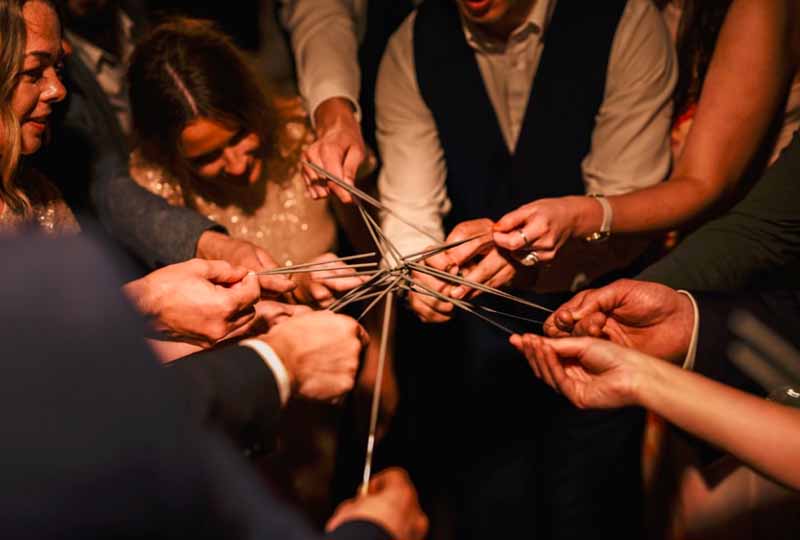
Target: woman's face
[[221, 153], [39, 85]]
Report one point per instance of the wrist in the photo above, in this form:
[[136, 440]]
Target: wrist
[[140, 293], [588, 218], [208, 244], [283, 351], [332, 112]]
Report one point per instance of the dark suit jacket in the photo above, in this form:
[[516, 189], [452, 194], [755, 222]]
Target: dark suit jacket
[[89, 162], [97, 442], [755, 244]]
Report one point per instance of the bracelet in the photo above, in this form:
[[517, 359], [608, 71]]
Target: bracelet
[[608, 216]]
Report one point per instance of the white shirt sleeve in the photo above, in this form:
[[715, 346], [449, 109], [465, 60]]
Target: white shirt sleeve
[[324, 40], [274, 363], [630, 143], [691, 354], [412, 180]]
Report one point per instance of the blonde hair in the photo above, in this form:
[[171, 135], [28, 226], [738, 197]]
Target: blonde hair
[[12, 52]]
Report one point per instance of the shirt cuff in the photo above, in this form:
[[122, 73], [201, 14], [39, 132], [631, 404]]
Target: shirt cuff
[[688, 362], [274, 363], [325, 92]]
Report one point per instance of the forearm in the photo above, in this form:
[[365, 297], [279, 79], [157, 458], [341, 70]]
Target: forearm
[[762, 434], [661, 207], [325, 45]]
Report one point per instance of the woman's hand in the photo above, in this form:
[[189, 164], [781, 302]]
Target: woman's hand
[[543, 226], [591, 373], [321, 288]]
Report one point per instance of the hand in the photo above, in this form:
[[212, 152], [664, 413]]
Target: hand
[[320, 351], [427, 307], [339, 148], [273, 313], [547, 224], [479, 259], [391, 502], [321, 288], [218, 246], [197, 301], [642, 315], [592, 374]]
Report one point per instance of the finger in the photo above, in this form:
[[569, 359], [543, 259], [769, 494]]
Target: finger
[[552, 329], [534, 229], [544, 367], [246, 293], [571, 347], [529, 346], [319, 292], [516, 341], [488, 267], [362, 335], [222, 271], [425, 312], [513, 220], [442, 262], [465, 252], [272, 286], [591, 325], [352, 161], [557, 373]]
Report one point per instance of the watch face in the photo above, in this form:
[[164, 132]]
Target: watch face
[[599, 236]]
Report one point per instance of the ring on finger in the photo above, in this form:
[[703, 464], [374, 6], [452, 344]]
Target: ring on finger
[[524, 237], [530, 259]]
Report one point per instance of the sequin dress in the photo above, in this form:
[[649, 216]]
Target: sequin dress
[[274, 213], [48, 210]]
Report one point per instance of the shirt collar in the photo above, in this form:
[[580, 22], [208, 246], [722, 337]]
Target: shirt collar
[[535, 23], [93, 55]]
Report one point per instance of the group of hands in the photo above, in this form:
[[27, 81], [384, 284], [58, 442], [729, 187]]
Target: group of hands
[[219, 297]]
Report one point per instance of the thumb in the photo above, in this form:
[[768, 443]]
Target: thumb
[[222, 272]]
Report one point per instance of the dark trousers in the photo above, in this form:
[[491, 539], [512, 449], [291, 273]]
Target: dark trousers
[[494, 452]]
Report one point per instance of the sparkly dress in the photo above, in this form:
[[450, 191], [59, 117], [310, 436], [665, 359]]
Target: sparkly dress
[[49, 212], [274, 213]]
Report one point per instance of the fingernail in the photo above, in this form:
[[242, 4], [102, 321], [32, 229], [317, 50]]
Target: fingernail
[[458, 292]]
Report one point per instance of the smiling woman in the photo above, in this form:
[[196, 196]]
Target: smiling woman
[[30, 58]]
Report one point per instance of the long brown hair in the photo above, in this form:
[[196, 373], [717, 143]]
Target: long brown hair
[[185, 69], [698, 31], [12, 52]]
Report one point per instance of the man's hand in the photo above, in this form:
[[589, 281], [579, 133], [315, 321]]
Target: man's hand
[[339, 148], [641, 315], [320, 350], [427, 307], [320, 288], [479, 260], [391, 502], [197, 301], [217, 246], [591, 373]]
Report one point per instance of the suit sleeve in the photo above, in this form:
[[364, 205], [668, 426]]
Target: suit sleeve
[[90, 163], [756, 241], [233, 390]]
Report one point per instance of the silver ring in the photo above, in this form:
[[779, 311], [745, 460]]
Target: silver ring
[[530, 259], [524, 237]]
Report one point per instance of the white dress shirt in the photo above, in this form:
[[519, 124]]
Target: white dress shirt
[[109, 70], [274, 364], [630, 144]]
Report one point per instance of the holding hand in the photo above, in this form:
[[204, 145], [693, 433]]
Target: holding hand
[[320, 288], [217, 246], [543, 226], [591, 373], [645, 316], [427, 307], [197, 301], [391, 502], [320, 351], [339, 148]]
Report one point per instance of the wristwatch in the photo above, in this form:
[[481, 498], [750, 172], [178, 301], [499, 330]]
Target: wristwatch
[[605, 227]]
